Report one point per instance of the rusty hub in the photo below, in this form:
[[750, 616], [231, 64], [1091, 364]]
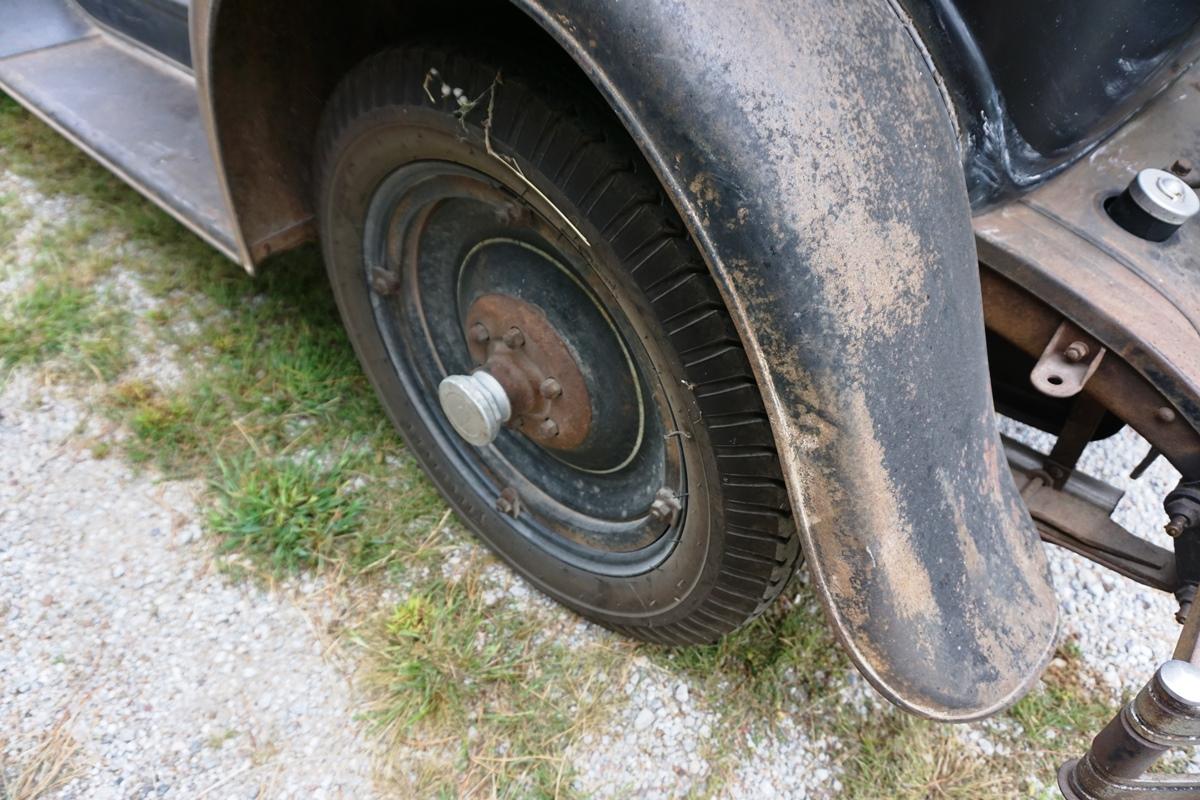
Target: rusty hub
[[517, 345]]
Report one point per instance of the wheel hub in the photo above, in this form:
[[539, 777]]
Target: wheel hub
[[526, 376]]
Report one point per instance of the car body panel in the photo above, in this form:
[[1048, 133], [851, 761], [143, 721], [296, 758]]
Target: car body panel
[[161, 25], [1141, 299]]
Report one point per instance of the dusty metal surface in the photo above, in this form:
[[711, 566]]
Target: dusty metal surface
[[1140, 299], [1023, 458], [200, 35], [515, 342], [258, 62], [159, 25], [1164, 715], [1071, 522], [34, 24], [1036, 83]]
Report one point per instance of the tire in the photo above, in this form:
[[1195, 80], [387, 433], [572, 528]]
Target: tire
[[423, 213]]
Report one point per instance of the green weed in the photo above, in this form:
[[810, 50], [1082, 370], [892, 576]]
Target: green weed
[[58, 321], [480, 699], [290, 514]]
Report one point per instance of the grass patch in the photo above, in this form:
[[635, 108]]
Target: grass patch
[[163, 426], [57, 321], [289, 514], [900, 756], [786, 657], [1060, 716], [12, 217], [476, 699]]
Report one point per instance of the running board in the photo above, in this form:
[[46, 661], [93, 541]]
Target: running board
[[135, 113]]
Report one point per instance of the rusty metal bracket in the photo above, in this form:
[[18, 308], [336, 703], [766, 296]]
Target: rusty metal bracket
[[1069, 360], [1081, 425], [1081, 527]]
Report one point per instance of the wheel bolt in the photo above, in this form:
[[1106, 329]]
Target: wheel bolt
[[509, 502], [384, 282], [550, 388], [666, 506], [548, 429], [512, 214], [1177, 525], [514, 338], [479, 333], [1076, 352]]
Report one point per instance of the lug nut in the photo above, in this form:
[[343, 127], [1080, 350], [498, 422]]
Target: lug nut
[[384, 282], [548, 429], [479, 333], [666, 506], [1076, 352], [1177, 525], [1182, 167], [550, 388], [509, 502], [512, 214], [514, 338]]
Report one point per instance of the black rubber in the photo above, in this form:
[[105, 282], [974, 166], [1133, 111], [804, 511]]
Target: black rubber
[[739, 546]]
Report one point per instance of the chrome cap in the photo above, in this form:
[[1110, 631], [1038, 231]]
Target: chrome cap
[[1181, 680], [476, 406], [1164, 196]]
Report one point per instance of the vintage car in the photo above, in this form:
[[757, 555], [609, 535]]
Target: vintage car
[[666, 295]]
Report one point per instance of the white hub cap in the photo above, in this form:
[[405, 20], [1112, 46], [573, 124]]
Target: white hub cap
[[476, 406], [1182, 681], [1164, 196]]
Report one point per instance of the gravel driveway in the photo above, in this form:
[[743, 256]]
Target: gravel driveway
[[170, 680], [130, 667]]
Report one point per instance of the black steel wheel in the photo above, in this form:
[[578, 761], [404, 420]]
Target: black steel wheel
[[543, 333]]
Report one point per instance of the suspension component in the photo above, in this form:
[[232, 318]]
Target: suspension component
[[1164, 714]]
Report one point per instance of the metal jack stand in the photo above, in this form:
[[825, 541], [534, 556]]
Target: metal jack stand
[[1165, 714]]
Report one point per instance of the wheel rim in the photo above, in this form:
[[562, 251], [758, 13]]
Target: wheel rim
[[448, 250]]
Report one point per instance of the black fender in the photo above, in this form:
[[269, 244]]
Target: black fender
[[810, 152], [808, 148]]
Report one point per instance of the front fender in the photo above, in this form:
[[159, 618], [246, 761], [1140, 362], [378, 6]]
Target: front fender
[[807, 147]]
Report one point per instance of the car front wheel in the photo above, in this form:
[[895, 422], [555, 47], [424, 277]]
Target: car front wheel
[[545, 336]]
